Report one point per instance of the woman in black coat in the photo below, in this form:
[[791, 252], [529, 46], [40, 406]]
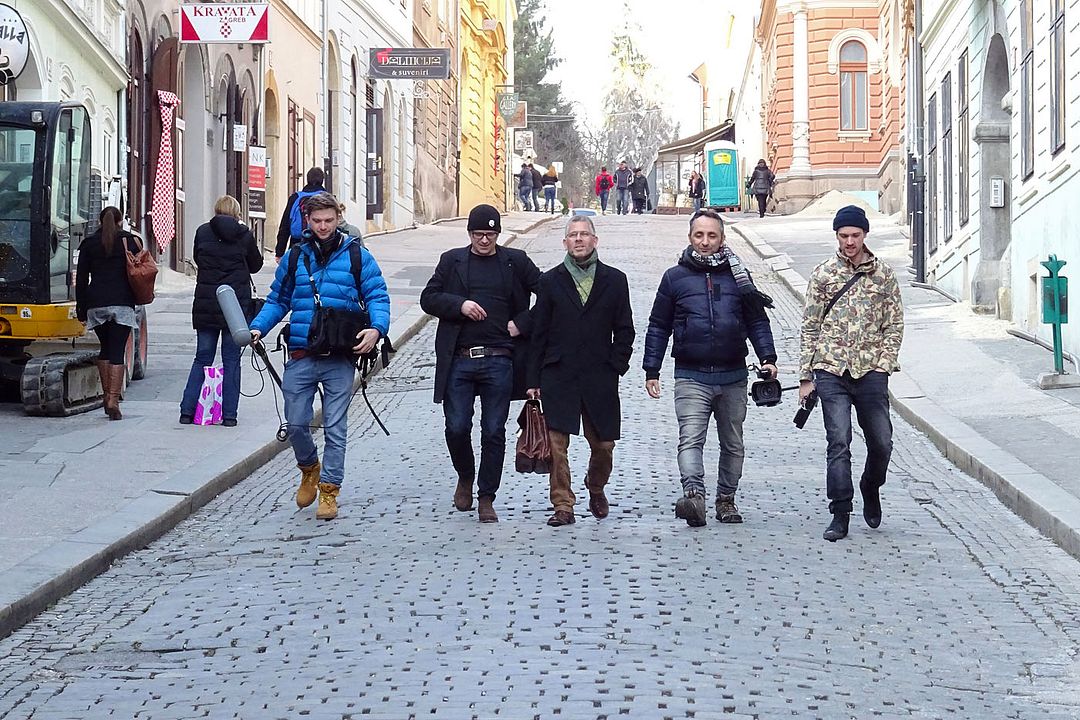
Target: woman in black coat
[[761, 184], [104, 301], [226, 253]]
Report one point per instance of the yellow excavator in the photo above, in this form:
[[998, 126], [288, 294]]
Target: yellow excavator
[[46, 210]]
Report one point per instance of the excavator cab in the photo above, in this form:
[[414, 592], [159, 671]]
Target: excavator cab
[[45, 212]]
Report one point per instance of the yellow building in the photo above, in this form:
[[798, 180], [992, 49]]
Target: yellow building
[[293, 124], [487, 43]]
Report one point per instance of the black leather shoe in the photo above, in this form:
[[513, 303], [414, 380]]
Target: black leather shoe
[[871, 510], [838, 528]]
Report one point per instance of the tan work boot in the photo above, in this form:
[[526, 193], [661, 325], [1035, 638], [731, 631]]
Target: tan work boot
[[116, 375], [486, 511], [328, 493], [309, 484], [463, 495]]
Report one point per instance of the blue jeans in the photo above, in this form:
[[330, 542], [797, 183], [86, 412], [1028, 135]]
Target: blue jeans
[[695, 404], [622, 207], [549, 198], [492, 378], [536, 198], [869, 395], [302, 377], [697, 203], [603, 200], [525, 195], [205, 350]]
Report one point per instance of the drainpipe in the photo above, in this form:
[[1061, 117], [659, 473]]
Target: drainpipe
[[916, 166], [325, 89]]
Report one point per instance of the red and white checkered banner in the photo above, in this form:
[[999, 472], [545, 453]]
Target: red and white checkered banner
[[215, 22], [163, 205]]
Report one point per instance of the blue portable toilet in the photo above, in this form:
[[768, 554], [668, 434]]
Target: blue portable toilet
[[722, 175]]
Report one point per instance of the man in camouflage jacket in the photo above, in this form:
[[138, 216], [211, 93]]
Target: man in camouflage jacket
[[848, 352]]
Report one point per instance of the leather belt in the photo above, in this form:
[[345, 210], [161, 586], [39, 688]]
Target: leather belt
[[298, 354], [479, 352]]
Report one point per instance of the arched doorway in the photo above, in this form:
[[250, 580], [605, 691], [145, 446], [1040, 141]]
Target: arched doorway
[[194, 149], [333, 118], [138, 150], [993, 135], [274, 150]]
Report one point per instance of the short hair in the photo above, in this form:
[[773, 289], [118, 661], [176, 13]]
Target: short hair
[[707, 213], [316, 176], [603, 168], [227, 205], [580, 219], [320, 201]]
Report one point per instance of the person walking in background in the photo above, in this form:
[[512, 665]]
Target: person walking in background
[[697, 189], [348, 228], [761, 184], [852, 328], [525, 186], [550, 181], [481, 294], [291, 227], [538, 181], [583, 336], [623, 177], [639, 191], [105, 302], [604, 183], [332, 271], [710, 303], [225, 253]]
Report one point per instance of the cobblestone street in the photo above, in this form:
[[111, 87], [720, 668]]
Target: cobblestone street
[[403, 608]]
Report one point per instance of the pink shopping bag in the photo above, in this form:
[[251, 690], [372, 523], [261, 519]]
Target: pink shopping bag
[[208, 409]]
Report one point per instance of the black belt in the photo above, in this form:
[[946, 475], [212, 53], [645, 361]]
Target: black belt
[[479, 352]]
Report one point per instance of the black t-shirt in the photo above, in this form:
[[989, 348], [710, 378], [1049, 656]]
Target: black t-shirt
[[487, 288]]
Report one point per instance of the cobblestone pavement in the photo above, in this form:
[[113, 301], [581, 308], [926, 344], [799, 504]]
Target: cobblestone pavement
[[404, 608]]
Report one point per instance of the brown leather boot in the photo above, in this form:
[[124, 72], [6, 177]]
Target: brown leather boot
[[327, 509], [112, 394], [309, 484], [486, 512], [463, 495], [598, 504], [103, 375]]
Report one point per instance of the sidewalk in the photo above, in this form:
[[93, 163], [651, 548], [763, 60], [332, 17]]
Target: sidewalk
[[965, 382], [80, 492]]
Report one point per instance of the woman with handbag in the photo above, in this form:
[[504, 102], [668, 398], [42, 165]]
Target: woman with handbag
[[105, 302], [225, 253]]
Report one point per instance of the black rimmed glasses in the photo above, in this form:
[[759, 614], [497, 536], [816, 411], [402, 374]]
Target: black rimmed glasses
[[480, 235]]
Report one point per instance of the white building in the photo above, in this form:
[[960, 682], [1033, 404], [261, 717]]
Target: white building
[[1002, 150]]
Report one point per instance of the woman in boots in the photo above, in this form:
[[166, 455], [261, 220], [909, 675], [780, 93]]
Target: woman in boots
[[104, 301]]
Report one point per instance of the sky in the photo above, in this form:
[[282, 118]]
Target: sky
[[672, 37]]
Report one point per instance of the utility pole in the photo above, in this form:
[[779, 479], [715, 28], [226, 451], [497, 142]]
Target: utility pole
[[916, 151]]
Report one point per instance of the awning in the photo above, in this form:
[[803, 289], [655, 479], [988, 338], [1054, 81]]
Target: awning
[[696, 143]]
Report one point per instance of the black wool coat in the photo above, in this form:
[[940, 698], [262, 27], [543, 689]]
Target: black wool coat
[[101, 280], [227, 254], [578, 352], [448, 288]]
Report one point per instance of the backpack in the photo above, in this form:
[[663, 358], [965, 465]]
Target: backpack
[[356, 264], [605, 182], [296, 213]]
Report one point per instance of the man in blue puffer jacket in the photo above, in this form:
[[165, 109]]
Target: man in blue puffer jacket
[[710, 303], [325, 260]]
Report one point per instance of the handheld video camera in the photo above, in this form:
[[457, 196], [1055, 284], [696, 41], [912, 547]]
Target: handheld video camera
[[765, 391]]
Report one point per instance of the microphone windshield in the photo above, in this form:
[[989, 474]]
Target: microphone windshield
[[234, 315]]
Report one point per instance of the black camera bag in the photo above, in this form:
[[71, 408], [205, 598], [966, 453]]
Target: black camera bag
[[334, 331]]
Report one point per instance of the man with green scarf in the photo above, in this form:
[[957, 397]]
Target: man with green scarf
[[581, 342]]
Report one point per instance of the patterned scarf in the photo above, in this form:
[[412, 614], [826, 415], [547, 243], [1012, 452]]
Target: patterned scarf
[[726, 256], [582, 274]]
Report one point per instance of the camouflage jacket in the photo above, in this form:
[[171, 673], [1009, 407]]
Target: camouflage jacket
[[863, 331]]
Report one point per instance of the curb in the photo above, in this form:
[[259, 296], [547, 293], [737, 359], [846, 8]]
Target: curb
[[1034, 497], [32, 586]]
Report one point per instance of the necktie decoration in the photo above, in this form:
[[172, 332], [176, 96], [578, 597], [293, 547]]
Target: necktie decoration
[[163, 206]]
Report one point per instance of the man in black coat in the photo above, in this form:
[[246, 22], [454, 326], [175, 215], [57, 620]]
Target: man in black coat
[[582, 338], [481, 295]]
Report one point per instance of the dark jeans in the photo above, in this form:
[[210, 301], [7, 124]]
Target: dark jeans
[[639, 205], [205, 350], [762, 200], [113, 338], [603, 200], [622, 198], [869, 395], [492, 378]]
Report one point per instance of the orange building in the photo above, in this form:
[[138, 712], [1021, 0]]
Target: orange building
[[833, 79]]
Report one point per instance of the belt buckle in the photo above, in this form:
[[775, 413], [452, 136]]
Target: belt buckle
[[476, 352]]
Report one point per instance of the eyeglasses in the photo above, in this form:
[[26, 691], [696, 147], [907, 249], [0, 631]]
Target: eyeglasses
[[579, 234], [483, 235]]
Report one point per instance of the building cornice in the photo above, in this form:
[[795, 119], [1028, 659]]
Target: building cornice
[[298, 22], [938, 22], [59, 12], [794, 6]]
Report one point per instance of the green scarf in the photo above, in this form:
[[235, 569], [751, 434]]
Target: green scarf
[[582, 275]]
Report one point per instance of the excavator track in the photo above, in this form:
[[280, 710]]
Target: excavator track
[[61, 384]]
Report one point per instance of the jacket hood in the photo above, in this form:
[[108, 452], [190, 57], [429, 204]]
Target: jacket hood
[[228, 228], [687, 260]]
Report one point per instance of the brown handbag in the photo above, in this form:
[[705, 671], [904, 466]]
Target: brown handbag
[[141, 272], [533, 450]]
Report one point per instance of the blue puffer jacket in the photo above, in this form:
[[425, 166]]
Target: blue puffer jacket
[[337, 289], [710, 318]]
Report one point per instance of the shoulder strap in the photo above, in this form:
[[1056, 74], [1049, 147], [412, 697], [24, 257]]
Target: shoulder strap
[[311, 279], [854, 279], [356, 263]]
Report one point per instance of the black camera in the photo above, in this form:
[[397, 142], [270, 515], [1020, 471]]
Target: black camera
[[765, 392], [805, 408]]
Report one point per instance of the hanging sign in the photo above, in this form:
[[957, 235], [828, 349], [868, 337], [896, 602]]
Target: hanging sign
[[409, 63], [224, 22], [14, 44], [508, 102], [257, 182]]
